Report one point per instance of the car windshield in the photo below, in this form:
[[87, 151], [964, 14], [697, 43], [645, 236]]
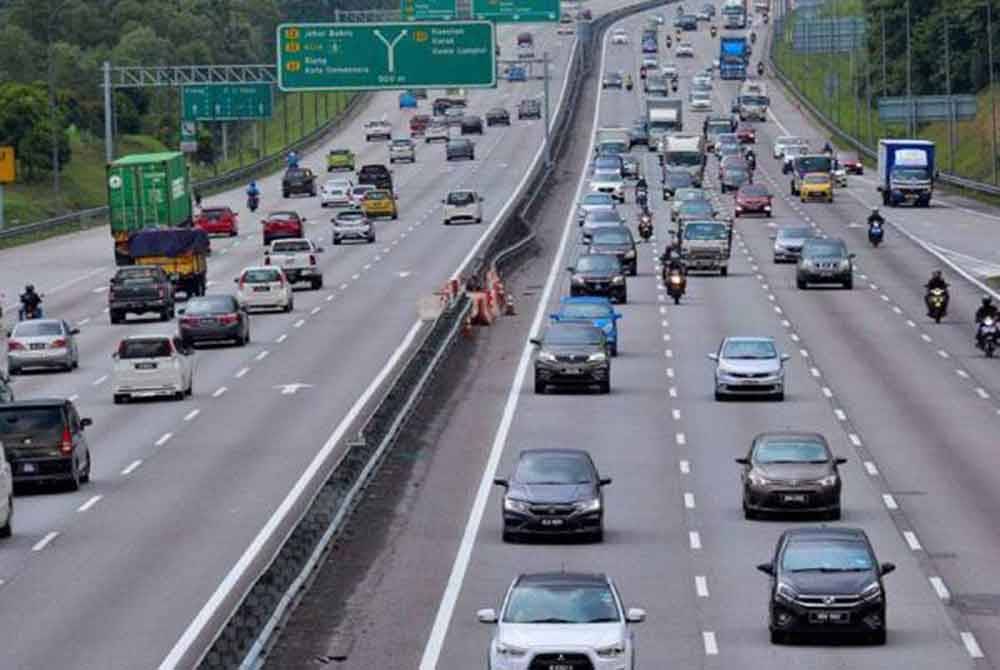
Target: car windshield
[[213, 214], [909, 172], [585, 311], [561, 603], [461, 198], [613, 148], [598, 199], [791, 451], [736, 172], [795, 233], [598, 263], [376, 195], [695, 208], [37, 329], [458, 144], [753, 99], [296, 173], [805, 164], [361, 190], [402, 143], [283, 216], [705, 231], [827, 555], [334, 185], [685, 194], [678, 179], [551, 468], [154, 347], [609, 176], [220, 304], [619, 235], [340, 153], [350, 217], [687, 158], [604, 216], [260, 276], [133, 277], [290, 247], [43, 424], [823, 249], [607, 164], [755, 191], [719, 127], [817, 179], [572, 334], [749, 349]]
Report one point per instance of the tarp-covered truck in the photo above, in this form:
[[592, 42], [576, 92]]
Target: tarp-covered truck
[[181, 252], [707, 245], [147, 191], [663, 117], [906, 171]]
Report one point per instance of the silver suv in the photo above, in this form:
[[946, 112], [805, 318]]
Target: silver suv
[[463, 206]]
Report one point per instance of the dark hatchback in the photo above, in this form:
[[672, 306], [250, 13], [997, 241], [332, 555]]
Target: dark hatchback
[[375, 174], [45, 443], [553, 492], [616, 242], [639, 134], [498, 116], [572, 355], [214, 318], [472, 125], [598, 274], [826, 580], [791, 473], [298, 181]]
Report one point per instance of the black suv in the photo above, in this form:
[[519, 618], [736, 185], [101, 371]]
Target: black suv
[[44, 442], [825, 261], [553, 491], [298, 181], [572, 355], [598, 274], [459, 148], [826, 580], [472, 125], [377, 175], [529, 109], [140, 289]]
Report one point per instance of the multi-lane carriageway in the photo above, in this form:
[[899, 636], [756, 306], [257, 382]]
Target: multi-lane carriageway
[[911, 404]]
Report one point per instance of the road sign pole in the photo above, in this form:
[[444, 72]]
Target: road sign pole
[[225, 141], [109, 151], [1, 206], [545, 87]]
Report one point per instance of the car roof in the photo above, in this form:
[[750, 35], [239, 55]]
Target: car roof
[[826, 533], [36, 402], [573, 326], [584, 300], [789, 434], [562, 451], [30, 321], [147, 336], [563, 579]]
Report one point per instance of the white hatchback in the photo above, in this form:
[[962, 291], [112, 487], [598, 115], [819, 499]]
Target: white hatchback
[[335, 193], [152, 366], [463, 206], [265, 287]]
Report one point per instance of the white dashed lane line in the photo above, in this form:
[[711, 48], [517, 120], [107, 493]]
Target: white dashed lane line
[[701, 586], [299, 323], [711, 646], [871, 469], [132, 467], [163, 439], [219, 391], [911, 540], [262, 355], [281, 338], [694, 539], [90, 503], [241, 372], [190, 416], [45, 541], [971, 646], [689, 500], [100, 380], [939, 588], [685, 467]]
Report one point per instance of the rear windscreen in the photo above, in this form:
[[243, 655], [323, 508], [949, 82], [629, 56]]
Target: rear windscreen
[[158, 348], [42, 424]]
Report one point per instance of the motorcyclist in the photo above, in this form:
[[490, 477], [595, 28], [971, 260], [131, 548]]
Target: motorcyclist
[[713, 30], [936, 282], [31, 303], [827, 149], [641, 191], [986, 309], [197, 197], [293, 159], [628, 81], [875, 218], [760, 69], [751, 159], [671, 251], [753, 38]]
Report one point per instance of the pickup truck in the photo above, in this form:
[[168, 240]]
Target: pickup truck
[[297, 258], [282, 225], [707, 245], [140, 289], [298, 181]]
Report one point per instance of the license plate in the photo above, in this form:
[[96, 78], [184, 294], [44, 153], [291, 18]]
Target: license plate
[[552, 522], [830, 617], [145, 366], [36, 347], [560, 666], [29, 468], [572, 371], [260, 289], [794, 498]]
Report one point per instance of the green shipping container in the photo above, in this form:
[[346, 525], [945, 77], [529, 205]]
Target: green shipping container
[[148, 191]]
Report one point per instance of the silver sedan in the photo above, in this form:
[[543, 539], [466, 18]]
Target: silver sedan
[[749, 366], [43, 343]]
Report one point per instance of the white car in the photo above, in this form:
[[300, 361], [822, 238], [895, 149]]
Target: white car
[[839, 174], [702, 80], [335, 193], [701, 101], [684, 50], [650, 61], [375, 130], [265, 287], [463, 206], [402, 149], [619, 37], [359, 192], [6, 494], [593, 630], [152, 366], [611, 183], [792, 152], [352, 224], [437, 131], [783, 142]]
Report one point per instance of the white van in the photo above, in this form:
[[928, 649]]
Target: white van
[[152, 366]]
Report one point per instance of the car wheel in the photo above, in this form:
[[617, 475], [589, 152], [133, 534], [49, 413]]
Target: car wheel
[[284, 194], [849, 284], [317, 284], [778, 637], [614, 349], [395, 215], [119, 398], [834, 514], [719, 396], [290, 306], [800, 283], [539, 386], [85, 475], [597, 536], [780, 396], [508, 536], [6, 529], [605, 387], [116, 317], [336, 240], [74, 480], [878, 637], [723, 271], [165, 315]]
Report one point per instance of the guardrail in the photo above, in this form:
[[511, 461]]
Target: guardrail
[[242, 637], [953, 180], [88, 218]]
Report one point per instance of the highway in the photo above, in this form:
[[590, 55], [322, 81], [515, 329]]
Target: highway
[[114, 574], [911, 404]]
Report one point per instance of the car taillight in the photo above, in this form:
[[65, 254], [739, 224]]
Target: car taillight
[[189, 320], [58, 344], [66, 444], [267, 260], [14, 346], [312, 260], [227, 319], [243, 281]]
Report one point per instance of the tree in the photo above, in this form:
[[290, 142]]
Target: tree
[[24, 124]]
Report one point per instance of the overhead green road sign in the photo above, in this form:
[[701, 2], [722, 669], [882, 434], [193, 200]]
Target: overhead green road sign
[[227, 102], [516, 11], [372, 56], [428, 10]]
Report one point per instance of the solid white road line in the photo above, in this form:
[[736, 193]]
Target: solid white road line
[[701, 586], [694, 539], [132, 467], [939, 588], [971, 646], [45, 541], [90, 503], [911, 540], [711, 646]]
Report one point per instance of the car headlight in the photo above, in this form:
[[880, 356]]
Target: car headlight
[[618, 280], [616, 650], [630, 253], [829, 480], [588, 505], [758, 480], [509, 650], [845, 264], [512, 505], [599, 357], [786, 592], [872, 592], [577, 279]]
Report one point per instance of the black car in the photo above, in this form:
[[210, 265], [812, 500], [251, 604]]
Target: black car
[[298, 181], [675, 179], [44, 442], [788, 472], [687, 22], [598, 274], [439, 106], [826, 580], [377, 175], [529, 109], [472, 125], [140, 289], [825, 261], [498, 116], [638, 134], [573, 355], [213, 318], [617, 242], [460, 148], [553, 491]]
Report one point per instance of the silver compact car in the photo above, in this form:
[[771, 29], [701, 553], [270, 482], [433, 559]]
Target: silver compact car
[[788, 243], [43, 343], [562, 620], [750, 366], [352, 225], [593, 202]]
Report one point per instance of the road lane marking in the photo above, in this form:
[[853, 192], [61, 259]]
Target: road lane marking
[[711, 646], [794, 337], [981, 392], [90, 503], [672, 391], [962, 373], [281, 338], [83, 322], [814, 372], [666, 337], [262, 355], [890, 501], [896, 309], [330, 297], [132, 467], [942, 353], [911, 540], [971, 646], [685, 467], [670, 372], [344, 286], [839, 413], [299, 323], [241, 372], [190, 416], [694, 539], [681, 439], [100, 380], [885, 297], [701, 586], [163, 439], [315, 310], [871, 468], [827, 392], [925, 337], [939, 588], [777, 309], [74, 397], [689, 501], [219, 391], [676, 414], [45, 541], [669, 353]]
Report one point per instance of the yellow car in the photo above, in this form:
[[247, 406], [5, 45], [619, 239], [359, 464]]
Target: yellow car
[[379, 203], [816, 186]]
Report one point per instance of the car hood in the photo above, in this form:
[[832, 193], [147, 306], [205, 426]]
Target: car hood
[[829, 583], [794, 471], [607, 325], [552, 493], [749, 366], [561, 636], [596, 275], [607, 248], [791, 241]]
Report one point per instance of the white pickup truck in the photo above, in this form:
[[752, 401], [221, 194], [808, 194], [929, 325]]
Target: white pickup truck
[[297, 257]]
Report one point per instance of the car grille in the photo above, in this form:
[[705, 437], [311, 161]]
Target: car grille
[[751, 375], [571, 358], [828, 601], [827, 266], [561, 662], [552, 510], [704, 253]]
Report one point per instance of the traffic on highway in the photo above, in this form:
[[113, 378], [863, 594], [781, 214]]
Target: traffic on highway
[[743, 414]]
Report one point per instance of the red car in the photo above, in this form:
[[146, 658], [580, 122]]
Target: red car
[[218, 221], [753, 199], [746, 135], [851, 163], [280, 225], [418, 124]]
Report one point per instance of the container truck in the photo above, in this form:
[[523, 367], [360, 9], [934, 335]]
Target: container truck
[[147, 191], [906, 171], [734, 14], [663, 116], [734, 53]]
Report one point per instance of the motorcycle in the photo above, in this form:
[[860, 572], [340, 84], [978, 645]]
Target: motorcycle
[[875, 233], [673, 85], [676, 284], [713, 31], [645, 226], [253, 201], [26, 313], [937, 303], [670, 42], [641, 197], [989, 335], [753, 38], [628, 83], [760, 69]]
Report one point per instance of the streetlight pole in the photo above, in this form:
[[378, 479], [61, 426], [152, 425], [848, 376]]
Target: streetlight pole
[[545, 86], [885, 85], [993, 94], [909, 74], [951, 105]]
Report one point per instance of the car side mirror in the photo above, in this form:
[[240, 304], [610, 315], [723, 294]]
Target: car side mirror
[[488, 615], [74, 331], [535, 341], [604, 481], [713, 357], [840, 461], [766, 568], [852, 256], [635, 615], [236, 280], [886, 568], [500, 481], [86, 421], [785, 357], [742, 461], [570, 269], [114, 355]]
